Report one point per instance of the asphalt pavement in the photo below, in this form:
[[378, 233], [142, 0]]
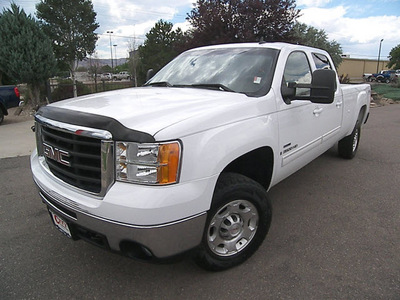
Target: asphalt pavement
[[334, 235]]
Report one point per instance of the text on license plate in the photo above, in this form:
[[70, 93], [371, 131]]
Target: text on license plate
[[60, 224]]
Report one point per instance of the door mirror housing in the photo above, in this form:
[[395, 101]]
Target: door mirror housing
[[149, 74], [322, 88]]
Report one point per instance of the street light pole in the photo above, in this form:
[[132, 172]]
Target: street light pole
[[379, 56], [115, 54], [112, 65]]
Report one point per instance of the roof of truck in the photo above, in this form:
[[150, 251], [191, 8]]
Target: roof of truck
[[271, 45]]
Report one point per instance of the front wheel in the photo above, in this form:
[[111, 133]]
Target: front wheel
[[237, 223]]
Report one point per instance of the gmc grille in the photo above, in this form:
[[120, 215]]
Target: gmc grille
[[84, 171], [79, 156]]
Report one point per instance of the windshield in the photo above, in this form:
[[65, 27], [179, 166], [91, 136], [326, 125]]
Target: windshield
[[241, 70]]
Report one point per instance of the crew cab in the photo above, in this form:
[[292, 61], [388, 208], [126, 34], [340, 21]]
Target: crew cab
[[9, 97], [186, 161]]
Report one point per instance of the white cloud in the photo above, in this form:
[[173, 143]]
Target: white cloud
[[126, 12], [325, 18], [185, 26], [313, 3], [356, 35]]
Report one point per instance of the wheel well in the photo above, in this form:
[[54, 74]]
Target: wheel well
[[361, 115], [3, 109], [256, 164]]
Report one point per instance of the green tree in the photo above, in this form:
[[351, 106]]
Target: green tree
[[94, 67], [313, 37], [122, 67], [227, 21], [26, 54], [133, 60], [162, 44], [81, 69], [394, 61], [106, 69], [70, 25]]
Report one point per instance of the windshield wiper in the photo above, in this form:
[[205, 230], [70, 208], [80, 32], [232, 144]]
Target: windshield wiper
[[159, 83], [217, 86]]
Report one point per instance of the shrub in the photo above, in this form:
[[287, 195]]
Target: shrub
[[64, 90], [344, 78]]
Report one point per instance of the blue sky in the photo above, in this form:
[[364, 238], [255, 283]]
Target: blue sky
[[358, 25]]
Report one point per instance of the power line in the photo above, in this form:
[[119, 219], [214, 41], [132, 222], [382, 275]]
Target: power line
[[122, 36]]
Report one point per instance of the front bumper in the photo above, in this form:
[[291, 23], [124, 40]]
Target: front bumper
[[121, 221], [144, 242]]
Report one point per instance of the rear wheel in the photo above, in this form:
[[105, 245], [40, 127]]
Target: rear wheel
[[1, 116], [348, 145], [237, 223]]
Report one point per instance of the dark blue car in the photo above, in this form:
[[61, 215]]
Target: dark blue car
[[9, 97]]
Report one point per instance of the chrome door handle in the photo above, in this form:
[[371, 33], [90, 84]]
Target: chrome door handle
[[339, 104], [317, 111]]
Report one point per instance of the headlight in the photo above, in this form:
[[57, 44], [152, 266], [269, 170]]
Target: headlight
[[148, 163]]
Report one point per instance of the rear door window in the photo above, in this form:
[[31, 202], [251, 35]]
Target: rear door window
[[321, 61]]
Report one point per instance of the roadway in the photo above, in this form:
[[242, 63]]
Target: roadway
[[334, 235]]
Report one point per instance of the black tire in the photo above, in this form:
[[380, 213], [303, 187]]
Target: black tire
[[237, 223], [348, 145], [1, 116]]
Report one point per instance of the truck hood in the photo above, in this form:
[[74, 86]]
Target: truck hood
[[152, 109]]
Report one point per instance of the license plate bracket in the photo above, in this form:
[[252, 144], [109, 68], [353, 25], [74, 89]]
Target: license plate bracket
[[60, 224]]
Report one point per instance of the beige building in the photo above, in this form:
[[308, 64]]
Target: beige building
[[354, 68]]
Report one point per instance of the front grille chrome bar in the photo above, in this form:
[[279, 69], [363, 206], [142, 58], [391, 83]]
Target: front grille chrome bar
[[79, 130]]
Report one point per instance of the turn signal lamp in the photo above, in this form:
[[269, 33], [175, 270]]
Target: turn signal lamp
[[154, 164]]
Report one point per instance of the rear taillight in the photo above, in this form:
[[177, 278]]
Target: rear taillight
[[16, 91]]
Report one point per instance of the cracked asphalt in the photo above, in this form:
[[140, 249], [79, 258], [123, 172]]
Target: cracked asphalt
[[334, 235]]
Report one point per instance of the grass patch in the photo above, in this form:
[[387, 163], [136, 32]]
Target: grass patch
[[387, 91]]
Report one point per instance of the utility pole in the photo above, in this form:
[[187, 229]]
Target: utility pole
[[379, 56], [115, 53], [112, 64]]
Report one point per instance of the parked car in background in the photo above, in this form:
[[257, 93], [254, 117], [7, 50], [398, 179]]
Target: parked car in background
[[106, 76], [386, 76], [9, 97], [122, 75], [368, 77]]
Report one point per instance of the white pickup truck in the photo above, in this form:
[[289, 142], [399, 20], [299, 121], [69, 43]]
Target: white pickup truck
[[186, 161], [121, 75]]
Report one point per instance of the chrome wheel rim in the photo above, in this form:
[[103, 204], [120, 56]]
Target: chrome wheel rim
[[232, 228], [355, 140]]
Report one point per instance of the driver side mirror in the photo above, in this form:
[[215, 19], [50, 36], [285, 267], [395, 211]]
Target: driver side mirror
[[149, 74], [322, 88]]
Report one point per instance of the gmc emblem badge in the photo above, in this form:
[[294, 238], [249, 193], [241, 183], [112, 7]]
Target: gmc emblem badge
[[56, 154]]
